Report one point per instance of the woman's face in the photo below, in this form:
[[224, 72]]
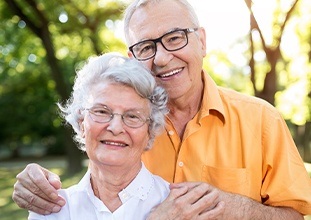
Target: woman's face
[[114, 143]]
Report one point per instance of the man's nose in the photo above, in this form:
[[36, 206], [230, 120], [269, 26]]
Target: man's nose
[[162, 56]]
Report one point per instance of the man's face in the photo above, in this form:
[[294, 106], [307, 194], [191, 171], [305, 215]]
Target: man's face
[[178, 71]]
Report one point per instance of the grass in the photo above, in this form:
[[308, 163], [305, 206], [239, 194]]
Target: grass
[[10, 211]]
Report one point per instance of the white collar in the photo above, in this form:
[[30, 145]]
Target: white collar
[[140, 187]]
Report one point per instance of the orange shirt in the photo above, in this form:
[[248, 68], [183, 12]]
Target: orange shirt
[[239, 144]]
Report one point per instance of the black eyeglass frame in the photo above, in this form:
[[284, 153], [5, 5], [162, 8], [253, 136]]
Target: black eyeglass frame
[[159, 39]]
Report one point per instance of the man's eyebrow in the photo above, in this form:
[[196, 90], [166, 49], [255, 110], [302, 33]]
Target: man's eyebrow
[[167, 32]]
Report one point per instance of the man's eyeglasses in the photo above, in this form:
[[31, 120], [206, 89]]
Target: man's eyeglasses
[[104, 114], [171, 41]]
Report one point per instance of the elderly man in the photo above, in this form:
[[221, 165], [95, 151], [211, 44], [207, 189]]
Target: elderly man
[[230, 156]]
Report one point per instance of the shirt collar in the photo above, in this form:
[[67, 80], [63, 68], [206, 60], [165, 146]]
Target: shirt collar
[[211, 101], [139, 187]]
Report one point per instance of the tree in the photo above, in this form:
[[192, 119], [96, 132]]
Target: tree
[[69, 31], [272, 52], [274, 59]]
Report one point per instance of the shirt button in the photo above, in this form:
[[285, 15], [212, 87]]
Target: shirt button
[[171, 133], [181, 164], [123, 195]]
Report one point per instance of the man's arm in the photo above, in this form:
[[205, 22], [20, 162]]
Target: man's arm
[[241, 207], [190, 200], [36, 190], [202, 201]]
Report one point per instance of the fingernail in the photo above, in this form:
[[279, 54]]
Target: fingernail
[[54, 196], [61, 202], [47, 212], [56, 209]]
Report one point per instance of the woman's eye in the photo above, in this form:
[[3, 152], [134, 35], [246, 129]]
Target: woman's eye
[[101, 111], [132, 116]]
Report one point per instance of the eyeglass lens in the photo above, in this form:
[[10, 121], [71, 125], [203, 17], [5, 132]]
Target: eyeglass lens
[[130, 118], [171, 41]]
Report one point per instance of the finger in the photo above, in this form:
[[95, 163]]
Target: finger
[[196, 192], [32, 189], [199, 199], [210, 196], [39, 184], [26, 205], [35, 203], [54, 180], [208, 201], [177, 192], [215, 213], [189, 185]]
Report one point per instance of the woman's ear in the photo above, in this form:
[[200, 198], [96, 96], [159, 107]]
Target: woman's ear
[[82, 129]]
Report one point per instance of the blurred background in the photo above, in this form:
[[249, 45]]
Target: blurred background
[[259, 47]]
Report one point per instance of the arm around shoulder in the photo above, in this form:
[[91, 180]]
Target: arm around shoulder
[[36, 190]]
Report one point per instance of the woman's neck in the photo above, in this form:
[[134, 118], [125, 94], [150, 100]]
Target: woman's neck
[[107, 182]]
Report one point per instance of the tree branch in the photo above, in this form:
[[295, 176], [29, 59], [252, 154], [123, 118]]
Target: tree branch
[[37, 11], [255, 26], [288, 15], [17, 10]]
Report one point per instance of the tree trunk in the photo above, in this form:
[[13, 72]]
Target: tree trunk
[[273, 55], [270, 82], [40, 29]]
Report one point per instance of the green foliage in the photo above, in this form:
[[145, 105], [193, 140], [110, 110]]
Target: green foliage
[[28, 93], [226, 72], [81, 28]]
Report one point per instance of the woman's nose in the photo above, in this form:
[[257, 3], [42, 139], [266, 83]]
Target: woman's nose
[[116, 125]]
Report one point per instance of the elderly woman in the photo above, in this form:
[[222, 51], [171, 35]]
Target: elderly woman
[[116, 109]]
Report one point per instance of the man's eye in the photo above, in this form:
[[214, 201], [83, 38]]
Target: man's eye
[[175, 39], [145, 48]]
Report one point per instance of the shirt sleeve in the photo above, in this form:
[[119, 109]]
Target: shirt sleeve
[[286, 181]]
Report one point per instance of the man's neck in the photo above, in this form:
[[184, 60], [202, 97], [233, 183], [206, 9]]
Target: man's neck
[[184, 109]]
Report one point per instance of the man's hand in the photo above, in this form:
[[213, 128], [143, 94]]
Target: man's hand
[[196, 200], [190, 200], [36, 190]]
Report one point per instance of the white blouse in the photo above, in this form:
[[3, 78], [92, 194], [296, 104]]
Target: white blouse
[[138, 198]]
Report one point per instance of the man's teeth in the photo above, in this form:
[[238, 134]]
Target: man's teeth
[[170, 73], [114, 143]]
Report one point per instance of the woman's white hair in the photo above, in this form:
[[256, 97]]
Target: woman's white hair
[[115, 68]]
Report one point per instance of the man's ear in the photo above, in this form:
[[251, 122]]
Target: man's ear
[[130, 55], [202, 36]]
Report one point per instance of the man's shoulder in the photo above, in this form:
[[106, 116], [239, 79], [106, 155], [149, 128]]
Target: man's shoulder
[[245, 103], [230, 95]]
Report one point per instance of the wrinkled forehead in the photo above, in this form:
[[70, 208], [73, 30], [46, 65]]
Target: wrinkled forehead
[[153, 20], [115, 94]]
